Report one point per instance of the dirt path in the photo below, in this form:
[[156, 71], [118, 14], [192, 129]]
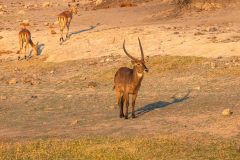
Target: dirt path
[[73, 99]]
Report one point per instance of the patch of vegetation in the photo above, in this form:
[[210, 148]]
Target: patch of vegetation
[[166, 63], [120, 148]]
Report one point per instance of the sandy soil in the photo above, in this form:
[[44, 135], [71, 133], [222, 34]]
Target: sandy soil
[[74, 97]]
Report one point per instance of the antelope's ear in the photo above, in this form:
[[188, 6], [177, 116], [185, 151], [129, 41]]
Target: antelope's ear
[[146, 59], [77, 4], [69, 5]]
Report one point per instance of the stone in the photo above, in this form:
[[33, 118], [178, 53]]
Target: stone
[[46, 23], [46, 4], [3, 97], [74, 122], [12, 81], [21, 12], [92, 84], [53, 32], [98, 2], [227, 112]]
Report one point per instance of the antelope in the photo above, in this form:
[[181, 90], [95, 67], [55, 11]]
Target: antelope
[[65, 19], [25, 37], [128, 81]]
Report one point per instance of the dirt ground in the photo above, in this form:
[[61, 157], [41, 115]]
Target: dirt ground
[[67, 92]]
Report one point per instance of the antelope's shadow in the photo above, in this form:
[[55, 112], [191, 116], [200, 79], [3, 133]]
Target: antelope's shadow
[[40, 48], [78, 32], [83, 30], [161, 104]]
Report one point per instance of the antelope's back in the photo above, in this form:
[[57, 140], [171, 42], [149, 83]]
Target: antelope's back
[[25, 34], [123, 76]]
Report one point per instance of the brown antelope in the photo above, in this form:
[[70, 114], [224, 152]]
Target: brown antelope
[[128, 81], [65, 19], [25, 37]]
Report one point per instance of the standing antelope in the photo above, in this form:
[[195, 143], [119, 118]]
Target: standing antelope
[[25, 37], [128, 81], [65, 19]]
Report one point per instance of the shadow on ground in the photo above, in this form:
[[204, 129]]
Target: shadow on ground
[[83, 30], [161, 104]]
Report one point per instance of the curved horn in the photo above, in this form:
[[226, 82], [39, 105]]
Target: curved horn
[[127, 52], [142, 54]]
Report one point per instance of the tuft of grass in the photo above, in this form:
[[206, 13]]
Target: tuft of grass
[[120, 148]]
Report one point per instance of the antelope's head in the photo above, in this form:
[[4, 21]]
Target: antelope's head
[[73, 8], [139, 65]]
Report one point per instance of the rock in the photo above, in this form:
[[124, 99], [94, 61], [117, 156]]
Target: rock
[[227, 112], [108, 60], [46, 4], [197, 88], [198, 33], [12, 81], [34, 96], [53, 32], [98, 2], [92, 84], [46, 23], [69, 96], [92, 63], [1, 37], [74, 122], [26, 22], [111, 107], [3, 97], [213, 65], [212, 29], [33, 82], [52, 72], [21, 12]]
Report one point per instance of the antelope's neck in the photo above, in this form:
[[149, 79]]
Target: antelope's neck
[[137, 77]]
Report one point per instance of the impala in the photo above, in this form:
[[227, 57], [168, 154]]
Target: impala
[[25, 37], [128, 81], [65, 19]]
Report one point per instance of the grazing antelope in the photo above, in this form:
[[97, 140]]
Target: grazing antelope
[[65, 19], [25, 37], [128, 81]]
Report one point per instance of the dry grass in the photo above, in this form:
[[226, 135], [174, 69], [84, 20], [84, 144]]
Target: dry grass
[[120, 148]]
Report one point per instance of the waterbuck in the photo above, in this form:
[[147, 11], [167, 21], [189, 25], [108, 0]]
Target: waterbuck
[[128, 81]]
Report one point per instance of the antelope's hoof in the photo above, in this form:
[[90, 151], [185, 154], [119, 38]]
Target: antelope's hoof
[[19, 57], [126, 117], [133, 116], [121, 115], [25, 57]]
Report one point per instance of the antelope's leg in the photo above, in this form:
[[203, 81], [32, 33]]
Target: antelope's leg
[[62, 26], [21, 47], [26, 48], [120, 103], [126, 98], [68, 26], [61, 30], [134, 96]]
